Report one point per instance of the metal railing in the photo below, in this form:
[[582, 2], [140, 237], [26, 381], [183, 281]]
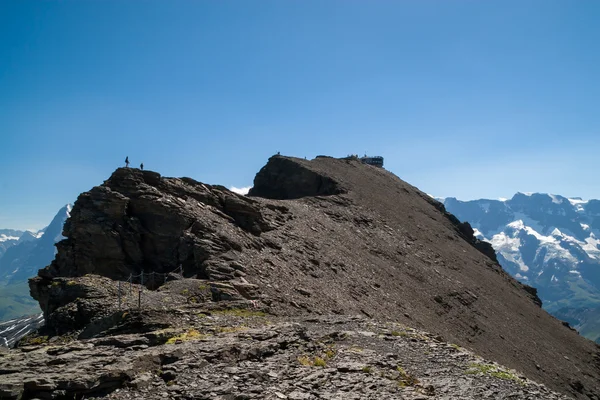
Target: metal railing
[[144, 280]]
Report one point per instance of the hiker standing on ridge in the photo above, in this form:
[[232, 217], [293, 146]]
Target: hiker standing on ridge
[[127, 162], [142, 166]]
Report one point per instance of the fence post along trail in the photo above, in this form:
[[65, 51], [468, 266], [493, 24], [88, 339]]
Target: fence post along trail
[[149, 280]]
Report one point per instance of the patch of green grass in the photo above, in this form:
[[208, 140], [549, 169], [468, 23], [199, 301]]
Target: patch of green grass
[[314, 362], [304, 360], [367, 369], [240, 312], [192, 334], [16, 302], [319, 362], [405, 379], [492, 370], [231, 329], [33, 340], [71, 283]]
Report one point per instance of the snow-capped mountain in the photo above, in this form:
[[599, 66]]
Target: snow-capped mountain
[[33, 250], [8, 238], [21, 260], [547, 241], [14, 329]]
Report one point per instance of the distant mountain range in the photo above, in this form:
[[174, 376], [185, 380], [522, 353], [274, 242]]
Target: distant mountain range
[[22, 254], [8, 238], [550, 242]]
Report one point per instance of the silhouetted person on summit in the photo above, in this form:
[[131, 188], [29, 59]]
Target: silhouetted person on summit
[[127, 162], [142, 166]]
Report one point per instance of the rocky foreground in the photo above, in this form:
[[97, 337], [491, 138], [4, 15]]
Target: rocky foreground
[[241, 352], [315, 242]]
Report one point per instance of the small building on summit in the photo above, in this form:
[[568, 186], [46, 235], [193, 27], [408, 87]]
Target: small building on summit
[[376, 161]]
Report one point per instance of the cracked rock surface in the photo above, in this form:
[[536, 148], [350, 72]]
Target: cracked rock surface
[[244, 353]]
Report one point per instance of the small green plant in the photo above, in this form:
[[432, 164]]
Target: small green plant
[[37, 340], [367, 369], [492, 370], [71, 283], [232, 329], [240, 312], [185, 291], [319, 362], [405, 379], [304, 360], [192, 334], [314, 362]]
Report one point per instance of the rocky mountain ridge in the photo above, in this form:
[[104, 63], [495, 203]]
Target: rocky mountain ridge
[[327, 237], [550, 242]]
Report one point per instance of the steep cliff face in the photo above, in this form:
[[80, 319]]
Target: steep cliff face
[[139, 221], [324, 236]]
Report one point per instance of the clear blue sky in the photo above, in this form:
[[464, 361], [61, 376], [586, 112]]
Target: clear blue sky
[[463, 98]]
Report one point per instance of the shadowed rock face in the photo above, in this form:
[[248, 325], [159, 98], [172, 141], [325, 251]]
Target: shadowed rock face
[[284, 179], [138, 221], [327, 236]]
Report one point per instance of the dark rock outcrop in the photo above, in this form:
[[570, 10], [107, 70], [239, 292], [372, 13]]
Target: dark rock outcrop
[[533, 293], [284, 179], [348, 239], [484, 247], [138, 221], [466, 231]]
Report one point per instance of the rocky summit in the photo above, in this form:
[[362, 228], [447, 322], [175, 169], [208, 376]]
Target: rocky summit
[[331, 280]]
